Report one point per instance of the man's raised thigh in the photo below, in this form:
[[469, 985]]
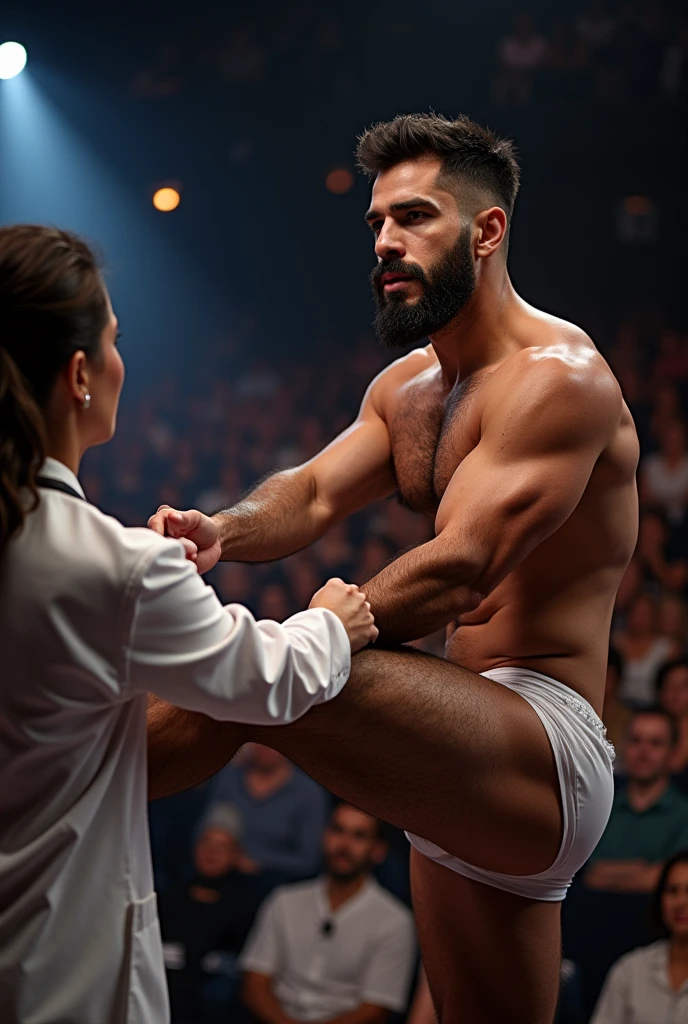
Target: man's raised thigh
[[439, 751]]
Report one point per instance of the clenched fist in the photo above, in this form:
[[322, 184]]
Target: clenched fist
[[349, 604], [199, 534]]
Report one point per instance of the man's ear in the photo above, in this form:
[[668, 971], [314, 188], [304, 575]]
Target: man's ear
[[492, 227]]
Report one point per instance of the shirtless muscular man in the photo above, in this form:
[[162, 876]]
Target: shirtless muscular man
[[510, 432]]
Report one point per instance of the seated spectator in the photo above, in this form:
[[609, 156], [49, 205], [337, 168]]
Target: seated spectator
[[206, 921], [339, 948], [649, 984], [664, 474], [615, 715], [520, 55], [649, 819], [672, 693], [283, 813], [643, 651]]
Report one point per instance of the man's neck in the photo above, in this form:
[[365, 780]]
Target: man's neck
[[642, 795], [340, 890], [483, 332]]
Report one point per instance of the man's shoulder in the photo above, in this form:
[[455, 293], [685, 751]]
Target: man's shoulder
[[560, 352], [404, 372], [561, 371]]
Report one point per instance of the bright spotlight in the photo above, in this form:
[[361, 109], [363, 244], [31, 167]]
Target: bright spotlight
[[166, 199], [12, 60]]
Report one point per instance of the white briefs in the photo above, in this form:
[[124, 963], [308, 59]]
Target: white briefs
[[583, 758]]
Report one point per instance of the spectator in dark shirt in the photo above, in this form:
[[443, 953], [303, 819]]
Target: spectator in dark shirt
[[649, 819], [283, 815], [204, 923]]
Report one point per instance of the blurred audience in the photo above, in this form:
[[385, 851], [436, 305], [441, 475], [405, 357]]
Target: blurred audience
[[664, 474], [519, 55], [650, 985], [283, 814], [339, 948], [643, 650], [649, 819], [672, 694]]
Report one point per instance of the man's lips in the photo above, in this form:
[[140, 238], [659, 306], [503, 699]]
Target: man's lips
[[393, 282]]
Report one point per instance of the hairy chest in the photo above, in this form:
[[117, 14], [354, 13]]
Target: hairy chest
[[432, 431]]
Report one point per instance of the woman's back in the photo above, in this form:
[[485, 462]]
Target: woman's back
[[73, 762]]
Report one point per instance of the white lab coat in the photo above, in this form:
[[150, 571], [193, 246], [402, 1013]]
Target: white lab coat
[[93, 616]]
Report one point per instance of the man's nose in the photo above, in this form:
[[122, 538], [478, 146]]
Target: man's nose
[[389, 245]]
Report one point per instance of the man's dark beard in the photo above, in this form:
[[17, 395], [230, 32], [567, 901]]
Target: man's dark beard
[[446, 291]]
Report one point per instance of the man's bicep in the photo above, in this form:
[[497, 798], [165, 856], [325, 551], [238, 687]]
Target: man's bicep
[[356, 468], [523, 479]]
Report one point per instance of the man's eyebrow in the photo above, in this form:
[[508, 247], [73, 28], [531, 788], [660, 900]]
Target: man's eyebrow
[[407, 204]]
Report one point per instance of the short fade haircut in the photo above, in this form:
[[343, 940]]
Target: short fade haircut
[[658, 712], [472, 156]]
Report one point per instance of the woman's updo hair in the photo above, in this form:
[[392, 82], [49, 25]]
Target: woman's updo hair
[[52, 304]]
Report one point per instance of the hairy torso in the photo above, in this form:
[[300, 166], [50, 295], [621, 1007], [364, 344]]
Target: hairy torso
[[552, 613]]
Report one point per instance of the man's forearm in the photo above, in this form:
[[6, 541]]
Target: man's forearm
[[366, 1013], [623, 875], [281, 516], [186, 748], [259, 998], [420, 592]]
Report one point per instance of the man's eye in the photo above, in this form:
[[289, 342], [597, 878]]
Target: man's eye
[[416, 215]]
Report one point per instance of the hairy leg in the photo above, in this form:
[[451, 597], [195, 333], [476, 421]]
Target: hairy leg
[[489, 955], [439, 751], [185, 748]]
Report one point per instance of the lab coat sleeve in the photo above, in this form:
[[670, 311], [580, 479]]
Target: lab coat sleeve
[[188, 649]]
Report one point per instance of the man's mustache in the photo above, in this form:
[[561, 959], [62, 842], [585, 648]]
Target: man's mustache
[[396, 267]]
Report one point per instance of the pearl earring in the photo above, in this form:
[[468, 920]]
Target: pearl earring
[[87, 401]]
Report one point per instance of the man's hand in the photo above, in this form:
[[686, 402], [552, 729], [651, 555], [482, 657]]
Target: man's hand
[[623, 875], [350, 606], [198, 533]]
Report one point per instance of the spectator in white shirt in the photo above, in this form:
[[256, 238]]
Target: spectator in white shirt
[[650, 984], [94, 616], [338, 949]]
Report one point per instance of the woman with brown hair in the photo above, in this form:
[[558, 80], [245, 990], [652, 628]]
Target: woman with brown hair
[[94, 617], [651, 983]]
